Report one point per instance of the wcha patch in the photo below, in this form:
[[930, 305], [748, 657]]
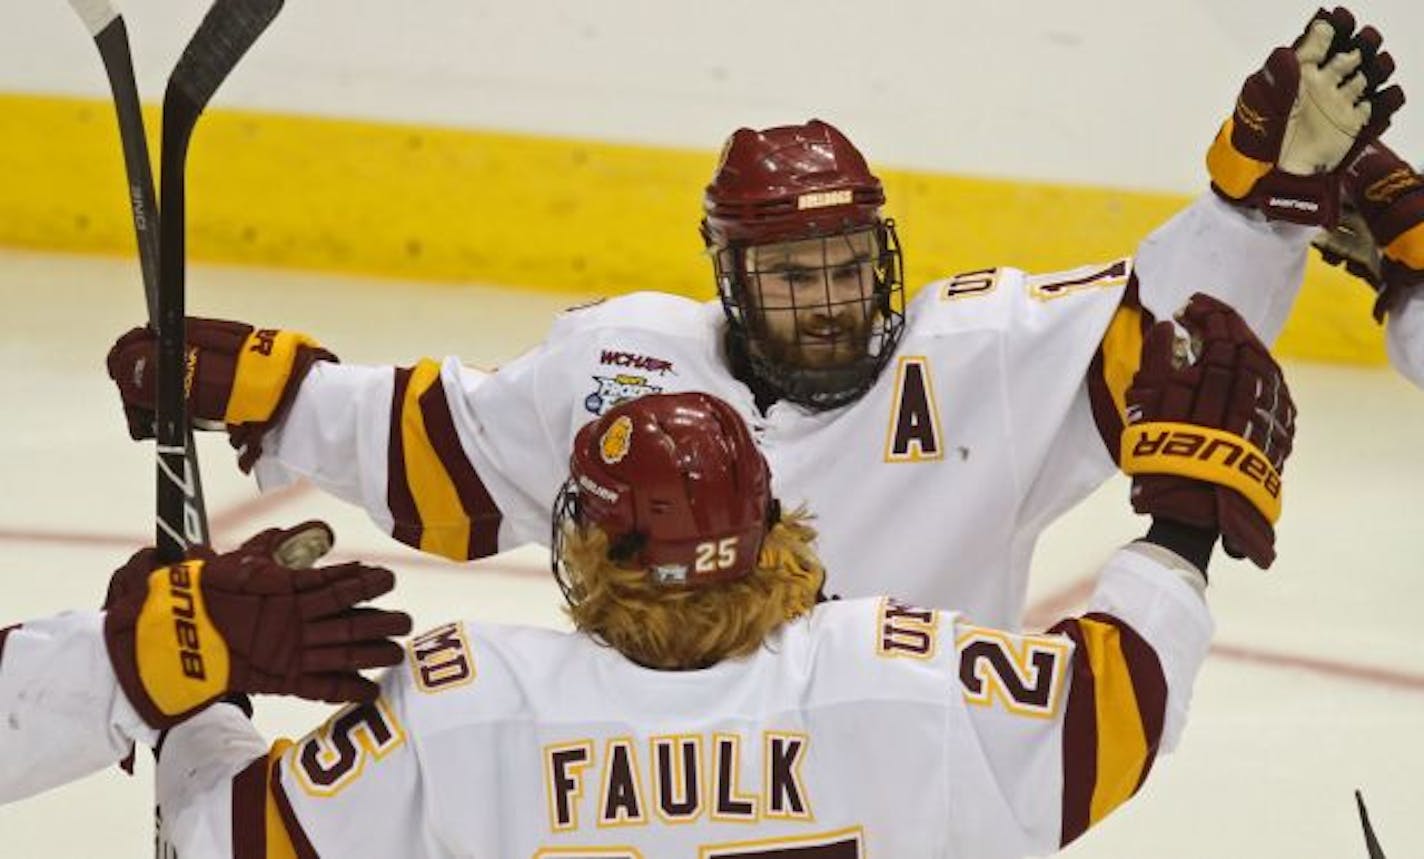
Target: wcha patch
[[636, 361]]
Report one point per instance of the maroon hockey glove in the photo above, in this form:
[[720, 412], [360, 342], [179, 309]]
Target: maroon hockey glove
[[297, 548], [1302, 116], [1208, 434], [194, 631], [241, 377], [1380, 238]]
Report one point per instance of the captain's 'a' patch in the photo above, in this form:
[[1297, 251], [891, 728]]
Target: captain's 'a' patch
[[914, 433]]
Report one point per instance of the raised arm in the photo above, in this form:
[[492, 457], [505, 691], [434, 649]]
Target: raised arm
[[429, 464], [1275, 170], [1088, 706]]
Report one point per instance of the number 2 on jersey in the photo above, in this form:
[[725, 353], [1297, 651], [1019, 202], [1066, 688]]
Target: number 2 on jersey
[[841, 844]]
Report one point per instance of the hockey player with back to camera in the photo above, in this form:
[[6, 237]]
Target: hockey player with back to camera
[[711, 704], [978, 414], [78, 689]]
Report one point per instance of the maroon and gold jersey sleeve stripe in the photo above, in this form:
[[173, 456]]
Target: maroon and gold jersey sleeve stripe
[[1114, 364], [263, 825], [398, 496], [476, 504], [439, 503], [1113, 719], [286, 823]]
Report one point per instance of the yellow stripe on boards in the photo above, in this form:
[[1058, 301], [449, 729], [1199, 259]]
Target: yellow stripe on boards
[[445, 529], [1122, 744], [537, 212]]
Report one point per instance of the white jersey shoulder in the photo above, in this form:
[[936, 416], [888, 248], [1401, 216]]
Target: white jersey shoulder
[[472, 672], [1003, 298], [659, 312]]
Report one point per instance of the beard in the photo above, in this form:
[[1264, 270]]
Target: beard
[[846, 341]]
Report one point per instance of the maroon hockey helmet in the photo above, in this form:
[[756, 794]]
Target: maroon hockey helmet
[[786, 183], [799, 183], [676, 483]]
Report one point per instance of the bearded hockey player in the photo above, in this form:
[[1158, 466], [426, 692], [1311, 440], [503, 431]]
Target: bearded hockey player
[[707, 706], [961, 425], [77, 690]]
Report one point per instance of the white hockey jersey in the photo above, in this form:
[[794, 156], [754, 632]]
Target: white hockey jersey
[[999, 410], [62, 713], [1404, 338], [870, 728]]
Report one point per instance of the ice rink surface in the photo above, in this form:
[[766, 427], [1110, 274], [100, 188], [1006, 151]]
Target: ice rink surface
[[1315, 688]]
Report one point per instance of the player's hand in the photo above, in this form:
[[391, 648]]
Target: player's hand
[[1210, 424], [1351, 246], [237, 376], [298, 547], [1303, 115], [1380, 238], [192, 632]]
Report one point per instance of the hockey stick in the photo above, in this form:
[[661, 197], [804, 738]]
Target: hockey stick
[[106, 25], [1371, 842], [228, 30]]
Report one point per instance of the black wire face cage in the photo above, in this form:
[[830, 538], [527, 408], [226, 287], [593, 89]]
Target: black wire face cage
[[565, 515], [818, 322], [568, 514]]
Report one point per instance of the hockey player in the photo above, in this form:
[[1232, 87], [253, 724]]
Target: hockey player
[[78, 689], [708, 707], [1380, 239], [962, 425]]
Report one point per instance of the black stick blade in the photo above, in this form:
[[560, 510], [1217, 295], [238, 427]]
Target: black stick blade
[[1371, 843], [227, 31]]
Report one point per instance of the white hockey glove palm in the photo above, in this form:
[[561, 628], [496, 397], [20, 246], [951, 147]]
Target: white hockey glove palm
[[1309, 110]]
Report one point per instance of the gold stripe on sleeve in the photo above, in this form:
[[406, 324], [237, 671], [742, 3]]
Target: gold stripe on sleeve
[[1122, 743], [1122, 354], [279, 841], [445, 529]]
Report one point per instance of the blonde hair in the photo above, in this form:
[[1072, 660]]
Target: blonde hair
[[670, 627]]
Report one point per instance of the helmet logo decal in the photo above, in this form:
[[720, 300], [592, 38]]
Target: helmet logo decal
[[616, 441], [588, 485], [822, 199], [669, 574]]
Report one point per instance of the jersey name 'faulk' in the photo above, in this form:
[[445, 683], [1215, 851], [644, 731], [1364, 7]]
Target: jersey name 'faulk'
[[675, 779]]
